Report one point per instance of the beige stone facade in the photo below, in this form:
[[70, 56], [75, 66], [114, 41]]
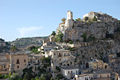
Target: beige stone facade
[[98, 64], [13, 62], [19, 61], [4, 64]]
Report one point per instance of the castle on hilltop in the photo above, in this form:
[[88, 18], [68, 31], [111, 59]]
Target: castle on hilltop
[[93, 24]]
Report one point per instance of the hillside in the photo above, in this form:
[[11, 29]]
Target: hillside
[[4, 46], [25, 42]]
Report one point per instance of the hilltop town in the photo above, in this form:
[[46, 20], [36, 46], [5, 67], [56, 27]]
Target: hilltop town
[[80, 49]]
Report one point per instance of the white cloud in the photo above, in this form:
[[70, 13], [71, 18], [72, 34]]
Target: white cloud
[[29, 31]]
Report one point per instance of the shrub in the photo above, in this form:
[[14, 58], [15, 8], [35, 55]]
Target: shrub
[[86, 18], [13, 48], [28, 73], [71, 49], [34, 49], [59, 37], [84, 36], [78, 19], [94, 19], [46, 61], [59, 76], [91, 38], [71, 42], [53, 33], [42, 77], [57, 68], [63, 20]]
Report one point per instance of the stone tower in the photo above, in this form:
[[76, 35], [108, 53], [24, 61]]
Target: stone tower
[[69, 21], [69, 15]]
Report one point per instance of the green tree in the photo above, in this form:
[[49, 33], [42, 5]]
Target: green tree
[[13, 48], [59, 37], [53, 33], [34, 49], [1, 76], [28, 74]]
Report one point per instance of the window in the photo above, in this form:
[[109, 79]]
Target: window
[[18, 67], [4, 66], [18, 62], [24, 60], [59, 55], [105, 66], [68, 72]]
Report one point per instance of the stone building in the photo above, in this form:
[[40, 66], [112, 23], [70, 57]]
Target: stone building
[[47, 47], [84, 77], [13, 63], [4, 64], [70, 72], [114, 62], [96, 75], [18, 62], [62, 59], [34, 62], [98, 64]]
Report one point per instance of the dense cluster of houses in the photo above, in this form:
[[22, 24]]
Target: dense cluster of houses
[[65, 60]]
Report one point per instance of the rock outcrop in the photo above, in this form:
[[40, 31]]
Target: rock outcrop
[[98, 28]]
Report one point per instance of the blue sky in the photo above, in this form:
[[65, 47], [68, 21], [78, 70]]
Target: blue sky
[[30, 18]]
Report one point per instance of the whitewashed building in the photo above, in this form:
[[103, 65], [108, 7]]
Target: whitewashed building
[[70, 72]]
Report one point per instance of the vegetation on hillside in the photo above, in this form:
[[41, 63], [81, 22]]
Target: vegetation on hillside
[[78, 19], [59, 37], [53, 33], [34, 49], [86, 38]]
